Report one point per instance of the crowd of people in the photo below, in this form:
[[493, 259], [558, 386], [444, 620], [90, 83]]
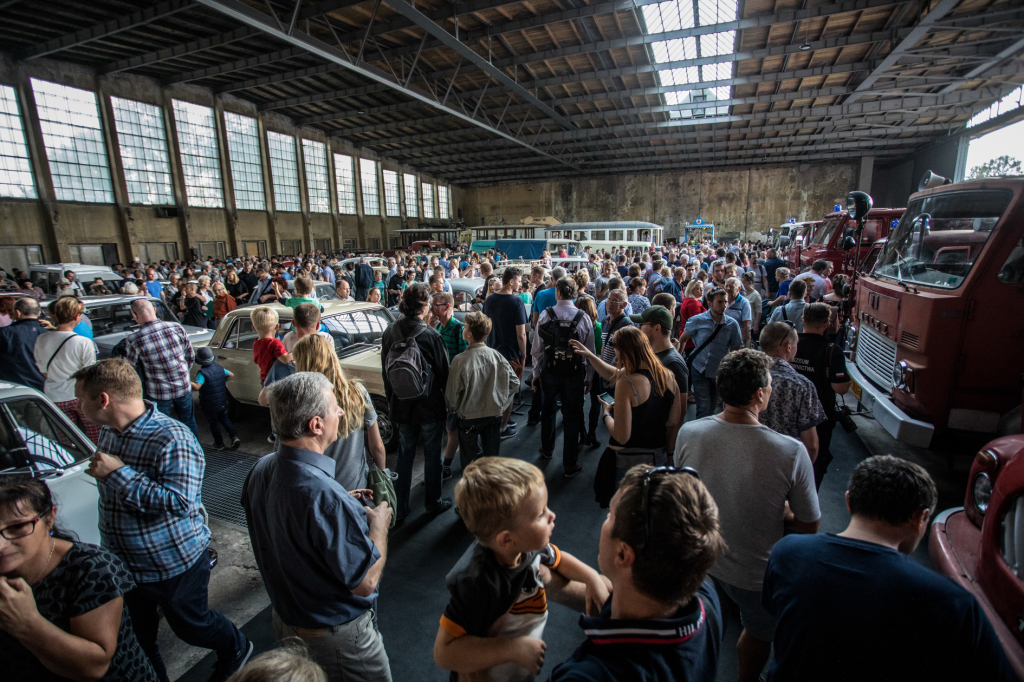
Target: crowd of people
[[721, 508]]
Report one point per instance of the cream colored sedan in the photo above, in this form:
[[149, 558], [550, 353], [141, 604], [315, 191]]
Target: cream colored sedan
[[356, 329]]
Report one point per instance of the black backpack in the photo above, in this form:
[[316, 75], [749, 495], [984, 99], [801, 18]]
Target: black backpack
[[560, 359], [409, 373]]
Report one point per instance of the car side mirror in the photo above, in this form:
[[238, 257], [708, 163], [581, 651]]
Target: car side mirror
[[848, 243]]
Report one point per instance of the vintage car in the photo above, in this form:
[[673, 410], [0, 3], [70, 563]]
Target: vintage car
[[112, 320], [356, 329], [47, 277], [981, 545]]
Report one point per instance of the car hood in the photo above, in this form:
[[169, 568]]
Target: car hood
[[366, 367], [197, 336]]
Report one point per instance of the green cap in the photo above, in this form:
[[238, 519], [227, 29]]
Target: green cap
[[655, 314]]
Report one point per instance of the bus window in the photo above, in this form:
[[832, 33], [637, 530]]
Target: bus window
[[629, 235]]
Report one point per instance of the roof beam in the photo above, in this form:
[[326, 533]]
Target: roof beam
[[106, 28], [299, 40], [322, 97], [236, 65], [911, 39], [177, 51], [984, 67]]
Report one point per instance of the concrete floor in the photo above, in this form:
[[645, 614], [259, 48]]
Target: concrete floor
[[237, 590]]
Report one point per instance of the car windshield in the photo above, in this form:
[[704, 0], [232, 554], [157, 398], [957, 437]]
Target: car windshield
[[824, 235], [940, 237], [116, 318], [351, 331], [34, 439]]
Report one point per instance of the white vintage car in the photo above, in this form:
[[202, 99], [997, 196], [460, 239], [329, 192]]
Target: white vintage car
[[356, 329]]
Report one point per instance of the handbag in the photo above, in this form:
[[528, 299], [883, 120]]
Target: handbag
[[383, 490]]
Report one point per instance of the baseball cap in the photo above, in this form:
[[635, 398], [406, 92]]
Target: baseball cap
[[655, 314]]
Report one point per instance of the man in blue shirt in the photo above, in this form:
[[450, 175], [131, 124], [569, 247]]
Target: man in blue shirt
[[663, 620], [770, 266], [714, 334], [852, 606], [18, 345], [320, 549], [153, 287]]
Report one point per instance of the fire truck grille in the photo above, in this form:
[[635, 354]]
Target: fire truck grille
[[876, 356], [1013, 537]]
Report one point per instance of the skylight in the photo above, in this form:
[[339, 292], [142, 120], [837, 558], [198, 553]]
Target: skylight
[[674, 15]]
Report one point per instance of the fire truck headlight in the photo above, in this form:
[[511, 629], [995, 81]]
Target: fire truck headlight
[[981, 491], [903, 376]]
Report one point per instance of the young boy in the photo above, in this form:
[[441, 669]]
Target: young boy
[[378, 283], [492, 626], [213, 396], [303, 293], [268, 348]]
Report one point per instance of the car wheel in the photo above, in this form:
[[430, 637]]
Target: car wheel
[[387, 428]]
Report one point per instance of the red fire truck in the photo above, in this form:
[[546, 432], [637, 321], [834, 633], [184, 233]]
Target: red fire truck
[[940, 317], [799, 237], [829, 241]]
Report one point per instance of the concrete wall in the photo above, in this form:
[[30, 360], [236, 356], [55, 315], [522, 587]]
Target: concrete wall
[[57, 226], [895, 182], [737, 202]]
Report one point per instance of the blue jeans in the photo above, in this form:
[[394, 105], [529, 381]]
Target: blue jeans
[[217, 417], [183, 600], [408, 434], [184, 409], [479, 438], [705, 389]]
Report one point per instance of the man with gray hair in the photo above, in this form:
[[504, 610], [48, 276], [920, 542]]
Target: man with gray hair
[[320, 549], [18, 344]]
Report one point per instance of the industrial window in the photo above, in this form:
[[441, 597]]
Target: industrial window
[[154, 252], [674, 15], [15, 171], [373, 243], [73, 137], [391, 193], [428, 200], [393, 242], [200, 160], [368, 174], [323, 245], [94, 254], [442, 202], [345, 179], [211, 249], [143, 143], [1008, 103], [246, 167], [411, 208], [314, 154], [348, 244], [290, 247], [284, 170]]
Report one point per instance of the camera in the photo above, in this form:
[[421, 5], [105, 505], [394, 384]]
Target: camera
[[845, 418]]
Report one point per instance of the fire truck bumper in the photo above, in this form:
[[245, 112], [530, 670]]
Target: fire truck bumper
[[895, 421]]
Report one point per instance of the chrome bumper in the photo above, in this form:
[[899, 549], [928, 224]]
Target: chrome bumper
[[895, 421]]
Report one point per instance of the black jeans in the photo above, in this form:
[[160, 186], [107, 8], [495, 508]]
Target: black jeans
[[824, 457], [595, 405], [183, 601], [217, 417], [536, 404], [570, 390], [479, 438]]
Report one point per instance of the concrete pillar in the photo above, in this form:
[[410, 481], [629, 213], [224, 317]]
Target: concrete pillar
[[307, 220], [234, 245], [56, 237], [867, 169], [962, 145], [332, 193], [357, 182], [178, 179]]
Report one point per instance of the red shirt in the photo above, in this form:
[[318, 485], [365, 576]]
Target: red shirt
[[265, 353], [687, 309]]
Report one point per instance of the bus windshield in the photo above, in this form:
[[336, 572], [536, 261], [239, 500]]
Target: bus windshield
[[940, 237]]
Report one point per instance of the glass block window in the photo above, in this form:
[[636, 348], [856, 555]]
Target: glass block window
[[200, 160], [442, 202], [314, 154], [391, 193], [73, 137], [411, 205], [368, 174], [15, 171], [284, 169], [246, 167], [428, 200], [143, 143], [345, 179]]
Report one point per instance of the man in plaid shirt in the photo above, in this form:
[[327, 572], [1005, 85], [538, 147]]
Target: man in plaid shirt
[[166, 355], [150, 473]]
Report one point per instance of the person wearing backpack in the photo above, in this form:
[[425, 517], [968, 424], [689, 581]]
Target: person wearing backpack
[[562, 372], [415, 372]]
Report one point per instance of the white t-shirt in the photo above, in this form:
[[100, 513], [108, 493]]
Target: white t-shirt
[[77, 353], [818, 285], [291, 338], [751, 472]]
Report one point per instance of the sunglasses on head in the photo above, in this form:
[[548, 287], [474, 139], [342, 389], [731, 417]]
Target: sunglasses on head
[[648, 475]]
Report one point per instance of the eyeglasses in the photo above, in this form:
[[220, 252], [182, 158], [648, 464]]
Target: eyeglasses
[[20, 530], [689, 471], [791, 323]]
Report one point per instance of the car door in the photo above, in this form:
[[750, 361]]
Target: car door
[[39, 440], [235, 355]]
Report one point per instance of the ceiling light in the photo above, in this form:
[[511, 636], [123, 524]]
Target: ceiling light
[[363, 112], [806, 46]]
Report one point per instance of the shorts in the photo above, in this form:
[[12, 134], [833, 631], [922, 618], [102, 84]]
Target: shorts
[[518, 366], [758, 623], [451, 422]]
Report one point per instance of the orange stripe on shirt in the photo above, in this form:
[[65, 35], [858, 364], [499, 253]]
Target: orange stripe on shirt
[[452, 628], [558, 557]]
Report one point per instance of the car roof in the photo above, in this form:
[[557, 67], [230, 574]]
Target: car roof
[[329, 308], [10, 390], [114, 298]]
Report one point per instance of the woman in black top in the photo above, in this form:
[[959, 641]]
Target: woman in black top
[[236, 287], [84, 631], [194, 307]]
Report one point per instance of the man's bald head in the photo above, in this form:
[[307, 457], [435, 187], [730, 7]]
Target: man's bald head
[[144, 310], [27, 308]]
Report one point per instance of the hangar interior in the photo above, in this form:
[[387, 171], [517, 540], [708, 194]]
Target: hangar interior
[[157, 130]]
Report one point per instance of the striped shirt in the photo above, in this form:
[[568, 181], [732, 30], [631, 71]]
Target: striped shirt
[[451, 334], [149, 508], [166, 355]]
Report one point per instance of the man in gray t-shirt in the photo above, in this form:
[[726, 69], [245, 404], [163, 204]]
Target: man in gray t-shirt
[[752, 472]]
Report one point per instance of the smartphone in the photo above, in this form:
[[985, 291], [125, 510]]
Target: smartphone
[[607, 399]]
